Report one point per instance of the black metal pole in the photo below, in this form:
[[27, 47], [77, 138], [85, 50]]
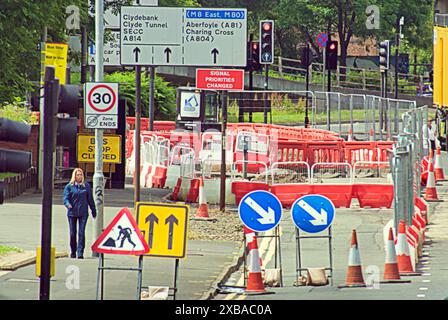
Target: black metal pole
[[50, 107], [397, 37], [84, 49], [307, 64], [265, 100], [251, 77], [151, 98], [138, 110], [222, 200]]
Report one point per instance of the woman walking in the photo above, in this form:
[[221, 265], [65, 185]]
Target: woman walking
[[77, 198]]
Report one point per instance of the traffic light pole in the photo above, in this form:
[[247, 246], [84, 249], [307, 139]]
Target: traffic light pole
[[137, 145], [98, 177], [266, 86], [51, 87], [307, 54]]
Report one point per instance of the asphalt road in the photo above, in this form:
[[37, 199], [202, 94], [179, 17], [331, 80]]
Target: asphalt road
[[432, 284], [20, 223]]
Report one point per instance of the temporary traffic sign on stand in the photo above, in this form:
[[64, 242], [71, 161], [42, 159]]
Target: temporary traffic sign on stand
[[183, 36], [101, 105], [122, 236], [260, 210], [313, 213], [165, 227], [111, 148], [219, 79]]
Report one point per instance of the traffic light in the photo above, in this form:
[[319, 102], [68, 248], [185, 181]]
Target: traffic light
[[384, 55], [69, 103], [332, 55], [253, 54], [267, 42], [14, 160]]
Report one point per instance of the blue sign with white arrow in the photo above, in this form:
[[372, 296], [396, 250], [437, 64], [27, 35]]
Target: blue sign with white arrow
[[260, 210], [313, 213]]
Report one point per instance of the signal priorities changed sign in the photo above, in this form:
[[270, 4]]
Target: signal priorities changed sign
[[111, 148], [101, 105], [219, 79]]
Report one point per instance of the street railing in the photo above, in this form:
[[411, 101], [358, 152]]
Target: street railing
[[350, 77]]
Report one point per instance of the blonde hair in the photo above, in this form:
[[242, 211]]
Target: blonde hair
[[73, 179]]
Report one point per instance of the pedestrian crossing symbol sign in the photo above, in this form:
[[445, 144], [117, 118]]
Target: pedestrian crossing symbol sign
[[122, 236]]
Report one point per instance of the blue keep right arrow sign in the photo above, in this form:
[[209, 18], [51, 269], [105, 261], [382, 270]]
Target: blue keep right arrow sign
[[313, 213]]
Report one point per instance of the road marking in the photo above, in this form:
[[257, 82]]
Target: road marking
[[265, 243], [425, 268], [421, 295], [426, 274], [425, 262], [426, 280], [423, 289]]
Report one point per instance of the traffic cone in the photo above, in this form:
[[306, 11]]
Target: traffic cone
[[255, 280], [354, 272], [203, 207], [403, 255], [438, 169], [431, 191], [391, 266], [372, 135]]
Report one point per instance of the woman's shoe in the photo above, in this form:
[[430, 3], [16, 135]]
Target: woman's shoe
[[73, 256]]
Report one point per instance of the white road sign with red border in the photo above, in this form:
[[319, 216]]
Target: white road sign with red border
[[101, 105]]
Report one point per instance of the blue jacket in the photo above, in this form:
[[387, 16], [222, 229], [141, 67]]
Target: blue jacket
[[77, 199]]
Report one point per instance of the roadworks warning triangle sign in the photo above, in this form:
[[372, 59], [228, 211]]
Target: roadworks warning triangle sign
[[122, 236]]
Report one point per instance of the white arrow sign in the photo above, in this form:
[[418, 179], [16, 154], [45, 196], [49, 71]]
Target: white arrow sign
[[267, 217], [320, 219]]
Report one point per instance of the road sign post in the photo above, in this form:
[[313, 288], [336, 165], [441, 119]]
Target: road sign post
[[313, 214], [98, 177]]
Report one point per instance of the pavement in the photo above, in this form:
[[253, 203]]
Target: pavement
[[207, 262], [431, 284]]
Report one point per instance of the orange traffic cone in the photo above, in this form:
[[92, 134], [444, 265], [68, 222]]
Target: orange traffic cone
[[391, 266], [203, 207], [431, 191], [255, 280], [403, 255], [354, 272], [438, 169]]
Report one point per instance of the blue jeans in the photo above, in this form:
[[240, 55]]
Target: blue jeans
[[77, 248]]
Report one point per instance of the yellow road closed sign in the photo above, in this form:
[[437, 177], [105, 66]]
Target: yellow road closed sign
[[165, 228], [111, 148]]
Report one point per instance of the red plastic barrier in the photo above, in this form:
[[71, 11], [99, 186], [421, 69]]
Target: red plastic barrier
[[159, 177], [289, 193], [241, 188], [339, 194], [193, 193], [420, 204], [176, 190], [374, 195], [384, 148], [325, 151]]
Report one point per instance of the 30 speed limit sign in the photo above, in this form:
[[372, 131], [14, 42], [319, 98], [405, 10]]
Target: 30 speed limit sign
[[101, 105]]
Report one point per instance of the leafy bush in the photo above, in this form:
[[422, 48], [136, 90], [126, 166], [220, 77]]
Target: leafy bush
[[17, 111], [164, 94]]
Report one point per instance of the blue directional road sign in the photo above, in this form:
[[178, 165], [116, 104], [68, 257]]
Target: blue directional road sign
[[260, 211], [313, 213]]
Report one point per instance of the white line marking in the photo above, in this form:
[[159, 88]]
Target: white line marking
[[426, 280], [426, 274], [423, 289], [421, 296]]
